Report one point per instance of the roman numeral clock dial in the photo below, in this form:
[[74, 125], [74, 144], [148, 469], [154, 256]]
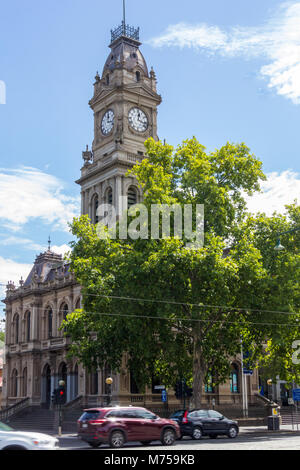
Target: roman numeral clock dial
[[138, 120], [107, 122]]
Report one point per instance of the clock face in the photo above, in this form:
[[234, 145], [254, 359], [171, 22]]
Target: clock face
[[107, 122], [138, 120]]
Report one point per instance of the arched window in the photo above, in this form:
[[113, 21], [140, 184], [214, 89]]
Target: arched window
[[109, 196], [49, 324], [209, 388], [27, 326], [24, 391], [131, 196], [63, 372], [107, 79], [138, 76], [14, 383], [95, 205], [16, 329], [78, 304], [94, 383], [234, 379], [64, 310], [133, 385]]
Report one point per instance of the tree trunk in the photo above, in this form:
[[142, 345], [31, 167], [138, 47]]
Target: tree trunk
[[198, 373]]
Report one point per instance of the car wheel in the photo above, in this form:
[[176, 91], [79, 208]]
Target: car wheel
[[14, 448], [213, 436], [117, 439], [168, 437], [232, 432], [197, 433], [146, 443], [94, 444]]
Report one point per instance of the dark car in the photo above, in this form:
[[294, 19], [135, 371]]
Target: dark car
[[198, 423], [115, 426]]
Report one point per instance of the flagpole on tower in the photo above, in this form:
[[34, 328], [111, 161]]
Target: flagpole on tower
[[124, 13]]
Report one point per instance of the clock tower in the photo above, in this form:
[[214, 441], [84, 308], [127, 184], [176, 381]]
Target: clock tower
[[124, 104]]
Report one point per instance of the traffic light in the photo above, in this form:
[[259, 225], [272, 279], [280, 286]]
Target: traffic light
[[61, 394], [178, 389]]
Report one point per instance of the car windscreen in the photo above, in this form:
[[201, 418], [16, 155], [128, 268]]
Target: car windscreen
[[177, 414], [4, 427], [91, 415]]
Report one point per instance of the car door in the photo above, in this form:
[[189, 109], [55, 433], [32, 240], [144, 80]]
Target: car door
[[200, 418], [150, 429], [133, 424], [218, 423]]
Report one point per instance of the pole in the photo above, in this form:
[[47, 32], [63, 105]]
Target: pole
[[59, 420], [244, 385], [124, 13]]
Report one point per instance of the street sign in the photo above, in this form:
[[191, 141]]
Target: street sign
[[164, 396], [247, 372], [159, 387], [296, 394]]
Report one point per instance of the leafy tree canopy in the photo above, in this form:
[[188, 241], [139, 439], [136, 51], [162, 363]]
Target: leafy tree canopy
[[159, 308]]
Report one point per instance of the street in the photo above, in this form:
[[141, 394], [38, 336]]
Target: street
[[262, 441]]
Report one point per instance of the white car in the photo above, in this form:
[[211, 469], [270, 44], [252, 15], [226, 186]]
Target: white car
[[19, 440]]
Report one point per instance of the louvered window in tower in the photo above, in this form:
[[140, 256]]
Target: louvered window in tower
[[132, 197]]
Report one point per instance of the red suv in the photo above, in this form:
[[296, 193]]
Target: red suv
[[115, 426]]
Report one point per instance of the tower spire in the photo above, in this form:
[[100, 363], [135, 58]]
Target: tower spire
[[124, 13], [124, 29]]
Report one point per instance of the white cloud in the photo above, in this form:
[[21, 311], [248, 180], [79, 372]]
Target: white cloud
[[27, 243], [28, 193], [11, 270], [278, 190], [61, 249], [277, 41]]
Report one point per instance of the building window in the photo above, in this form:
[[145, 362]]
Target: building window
[[131, 196], [209, 388], [27, 326], [138, 76], [16, 329], [24, 394], [14, 384], [109, 196], [133, 385], [156, 381], [50, 323], [234, 379], [95, 205], [107, 79]]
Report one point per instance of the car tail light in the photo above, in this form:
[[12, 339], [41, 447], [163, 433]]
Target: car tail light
[[184, 419], [97, 421]]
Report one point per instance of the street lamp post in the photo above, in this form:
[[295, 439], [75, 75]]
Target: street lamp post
[[280, 247], [109, 382]]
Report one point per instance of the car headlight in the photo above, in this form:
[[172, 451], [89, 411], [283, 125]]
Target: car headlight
[[41, 443]]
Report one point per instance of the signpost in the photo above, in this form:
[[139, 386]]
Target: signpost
[[164, 396], [296, 394]]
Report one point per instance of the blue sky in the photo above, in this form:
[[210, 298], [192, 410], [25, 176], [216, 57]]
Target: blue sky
[[227, 71]]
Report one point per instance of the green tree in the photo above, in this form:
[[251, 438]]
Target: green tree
[[158, 308], [280, 323]]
